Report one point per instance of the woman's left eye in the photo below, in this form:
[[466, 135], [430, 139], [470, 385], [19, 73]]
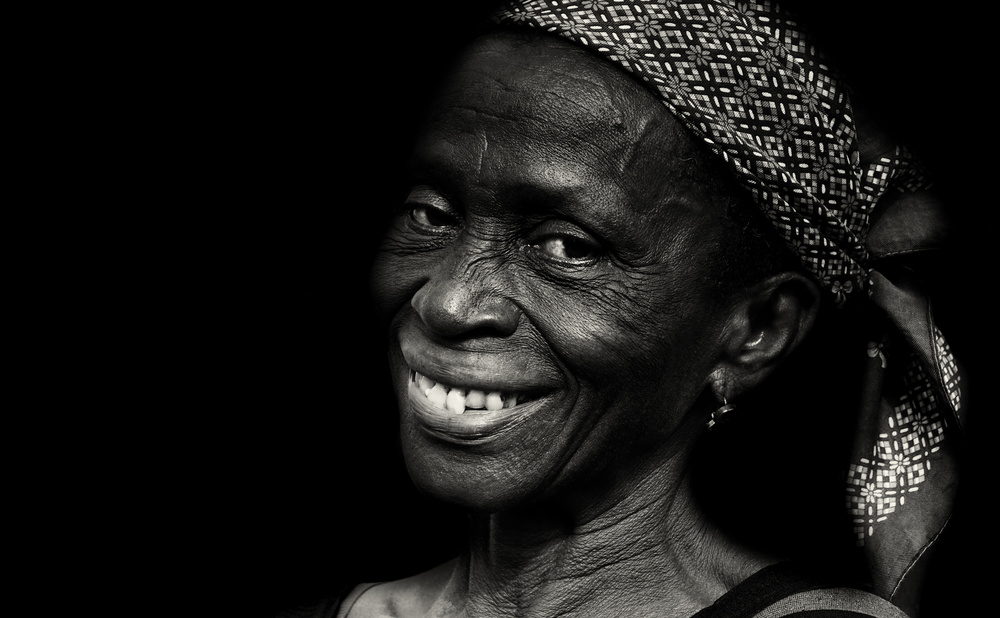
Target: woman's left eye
[[567, 249]]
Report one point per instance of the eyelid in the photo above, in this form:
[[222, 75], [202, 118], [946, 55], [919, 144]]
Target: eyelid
[[428, 211], [422, 195], [566, 229], [561, 229]]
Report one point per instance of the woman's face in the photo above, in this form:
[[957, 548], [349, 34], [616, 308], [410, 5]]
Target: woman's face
[[548, 280]]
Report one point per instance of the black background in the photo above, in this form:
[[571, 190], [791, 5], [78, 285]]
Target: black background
[[244, 454]]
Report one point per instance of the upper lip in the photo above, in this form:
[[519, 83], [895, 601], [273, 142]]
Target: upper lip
[[488, 371]]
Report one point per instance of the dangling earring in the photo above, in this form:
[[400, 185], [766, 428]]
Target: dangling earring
[[719, 415]]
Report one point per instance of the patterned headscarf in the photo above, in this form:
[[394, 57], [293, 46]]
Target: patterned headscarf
[[745, 78]]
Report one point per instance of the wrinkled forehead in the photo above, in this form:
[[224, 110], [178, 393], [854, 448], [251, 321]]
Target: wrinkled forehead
[[534, 88], [516, 73]]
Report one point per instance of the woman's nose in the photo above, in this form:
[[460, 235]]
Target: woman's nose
[[453, 307]]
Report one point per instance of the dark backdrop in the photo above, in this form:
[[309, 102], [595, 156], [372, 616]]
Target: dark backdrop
[[262, 466]]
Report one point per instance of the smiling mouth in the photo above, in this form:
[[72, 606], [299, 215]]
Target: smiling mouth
[[468, 415], [459, 400]]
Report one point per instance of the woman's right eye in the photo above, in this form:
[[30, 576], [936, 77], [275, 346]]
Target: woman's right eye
[[429, 209], [429, 216]]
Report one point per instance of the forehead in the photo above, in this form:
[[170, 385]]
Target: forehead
[[540, 112], [542, 80], [541, 88]]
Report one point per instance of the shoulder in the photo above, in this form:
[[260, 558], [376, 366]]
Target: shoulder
[[832, 603], [412, 596]]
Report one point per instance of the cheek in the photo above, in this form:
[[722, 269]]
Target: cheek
[[394, 278], [641, 357], [628, 336]]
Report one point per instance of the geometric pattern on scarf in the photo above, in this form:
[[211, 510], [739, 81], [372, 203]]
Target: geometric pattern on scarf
[[747, 80], [900, 460]]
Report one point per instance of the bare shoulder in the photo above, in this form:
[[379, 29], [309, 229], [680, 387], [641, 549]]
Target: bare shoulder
[[411, 596]]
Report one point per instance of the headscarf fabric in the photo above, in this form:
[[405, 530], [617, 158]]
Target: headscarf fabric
[[748, 80]]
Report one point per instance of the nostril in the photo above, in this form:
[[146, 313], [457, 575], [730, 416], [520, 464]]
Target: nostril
[[496, 316], [455, 308]]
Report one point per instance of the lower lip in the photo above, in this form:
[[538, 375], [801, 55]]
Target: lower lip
[[472, 426]]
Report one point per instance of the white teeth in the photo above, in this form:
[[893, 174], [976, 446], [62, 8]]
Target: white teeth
[[438, 395], [475, 400], [458, 400], [494, 402], [424, 382]]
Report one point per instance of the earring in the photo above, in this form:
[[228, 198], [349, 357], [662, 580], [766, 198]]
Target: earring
[[718, 416]]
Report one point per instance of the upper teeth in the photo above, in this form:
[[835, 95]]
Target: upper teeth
[[458, 400]]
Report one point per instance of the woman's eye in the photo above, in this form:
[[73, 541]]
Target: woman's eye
[[429, 216], [429, 210], [567, 249]]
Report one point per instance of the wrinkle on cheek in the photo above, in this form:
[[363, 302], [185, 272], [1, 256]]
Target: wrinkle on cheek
[[403, 263], [399, 245], [585, 326], [641, 324], [393, 282]]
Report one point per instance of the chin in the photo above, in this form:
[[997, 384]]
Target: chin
[[477, 477]]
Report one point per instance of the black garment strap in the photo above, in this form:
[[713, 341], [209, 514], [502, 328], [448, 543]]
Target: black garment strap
[[763, 588]]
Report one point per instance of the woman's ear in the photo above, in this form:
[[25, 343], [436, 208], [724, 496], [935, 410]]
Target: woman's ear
[[763, 329]]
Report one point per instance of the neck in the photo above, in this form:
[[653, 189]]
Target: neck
[[645, 546]]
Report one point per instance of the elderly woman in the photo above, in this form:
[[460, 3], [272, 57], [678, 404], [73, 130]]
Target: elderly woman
[[625, 219]]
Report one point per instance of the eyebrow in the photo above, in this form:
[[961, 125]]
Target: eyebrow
[[562, 188], [573, 203]]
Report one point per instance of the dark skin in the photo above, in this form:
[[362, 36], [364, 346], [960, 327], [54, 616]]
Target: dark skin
[[558, 246]]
